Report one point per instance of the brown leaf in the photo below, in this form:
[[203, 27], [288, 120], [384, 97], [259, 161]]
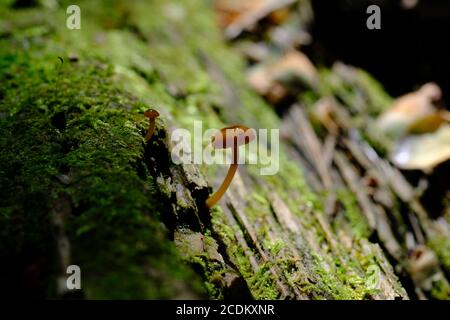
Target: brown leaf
[[269, 79]]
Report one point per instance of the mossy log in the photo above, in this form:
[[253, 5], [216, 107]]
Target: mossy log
[[80, 185]]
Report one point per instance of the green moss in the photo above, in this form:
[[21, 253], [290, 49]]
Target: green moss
[[68, 130], [358, 222], [263, 283], [378, 99], [372, 280], [275, 247], [233, 250], [441, 245], [328, 285], [440, 290]]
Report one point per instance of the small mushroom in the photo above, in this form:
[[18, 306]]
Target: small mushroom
[[230, 137], [151, 115]]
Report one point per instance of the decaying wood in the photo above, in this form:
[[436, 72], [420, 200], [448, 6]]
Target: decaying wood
[[285, 236], [391, 186]]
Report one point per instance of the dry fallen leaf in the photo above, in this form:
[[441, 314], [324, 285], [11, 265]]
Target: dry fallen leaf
[[229, 11], [423, 152], [236, 16], [269, 79], [430, 123], [409, 4], [409, 109]]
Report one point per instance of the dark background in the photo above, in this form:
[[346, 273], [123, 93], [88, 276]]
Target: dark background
[[409, 50]]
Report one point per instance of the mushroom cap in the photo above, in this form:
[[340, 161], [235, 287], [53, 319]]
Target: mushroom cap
[[151, 113], [237, 135]]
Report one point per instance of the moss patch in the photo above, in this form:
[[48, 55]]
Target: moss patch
[[67, 130]]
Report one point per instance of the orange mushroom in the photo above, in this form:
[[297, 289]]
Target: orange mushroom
[[230, 137], [151, 115]]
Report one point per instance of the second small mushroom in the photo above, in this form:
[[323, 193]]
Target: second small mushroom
[[151, 115], [230, 137]]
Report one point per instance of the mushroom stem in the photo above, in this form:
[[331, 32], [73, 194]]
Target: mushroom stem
[[211, 201], [151, 115], [150, 130]]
